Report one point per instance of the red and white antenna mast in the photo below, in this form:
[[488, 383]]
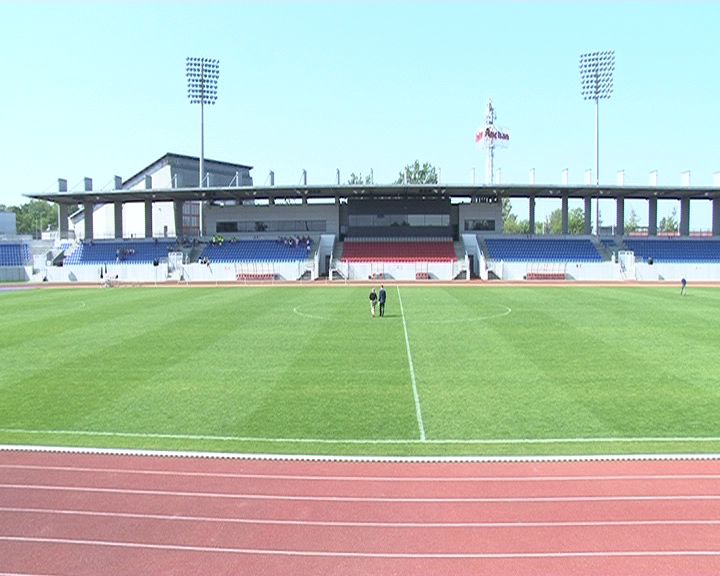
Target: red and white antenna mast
[[491, 137]]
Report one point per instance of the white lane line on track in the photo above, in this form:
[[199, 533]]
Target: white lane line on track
[[369, 478], [336, 458], [359, 524], [416, 396], [298, 497], [22, 574], [369, 441], [348, 554]]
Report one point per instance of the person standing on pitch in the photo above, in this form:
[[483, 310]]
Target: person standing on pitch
[[683, 285], [373, 302], [381, 300]]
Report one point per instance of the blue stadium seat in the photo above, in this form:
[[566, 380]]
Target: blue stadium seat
[[257, 251], [676, 249], [14, 255], [543, 249], [102, 252]]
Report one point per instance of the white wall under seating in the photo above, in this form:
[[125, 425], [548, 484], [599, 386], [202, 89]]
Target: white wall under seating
[[15, 273], [89, 273], [611, 271], [676, 271], [229, 271], [398, 270]]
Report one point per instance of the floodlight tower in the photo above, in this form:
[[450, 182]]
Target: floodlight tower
[[491, 137], [202, 77], [596, 83]]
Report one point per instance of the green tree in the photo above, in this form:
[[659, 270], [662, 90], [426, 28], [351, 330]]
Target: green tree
[[576, 222], [669, 224], [417, 174], [35, 217], [632, 223], [511, 224], [356, 179]]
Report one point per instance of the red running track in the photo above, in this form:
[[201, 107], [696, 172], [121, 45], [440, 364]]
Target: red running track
[[84, 514]]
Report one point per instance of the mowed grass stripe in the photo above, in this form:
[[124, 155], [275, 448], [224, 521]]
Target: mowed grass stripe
[[210, 361], [570, 370], [567, 363]]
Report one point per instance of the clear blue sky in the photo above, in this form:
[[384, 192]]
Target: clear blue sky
[[98, 88]]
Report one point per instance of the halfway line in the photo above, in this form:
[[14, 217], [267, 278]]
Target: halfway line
[[418, 411]]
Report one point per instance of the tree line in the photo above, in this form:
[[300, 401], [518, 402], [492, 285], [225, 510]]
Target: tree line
[[34, 217]]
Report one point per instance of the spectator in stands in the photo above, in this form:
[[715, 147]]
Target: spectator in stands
[[381, 300], [683, 285], [373, 302]]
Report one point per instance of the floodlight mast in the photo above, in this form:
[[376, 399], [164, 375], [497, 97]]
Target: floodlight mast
[[596, 83], [202, 77]]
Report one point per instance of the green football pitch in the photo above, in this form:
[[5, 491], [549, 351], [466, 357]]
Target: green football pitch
[[305, 370]]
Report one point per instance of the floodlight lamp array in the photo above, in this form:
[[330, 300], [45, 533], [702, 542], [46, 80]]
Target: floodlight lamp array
[[202, 76], [596, 74]]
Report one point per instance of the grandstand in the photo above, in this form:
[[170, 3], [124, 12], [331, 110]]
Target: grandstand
[[142, 252], [280, 250], [357, 232], [398, 251], [675, 249], [543, 249]]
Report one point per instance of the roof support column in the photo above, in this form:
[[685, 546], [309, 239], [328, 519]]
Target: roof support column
[[587, 212], [63, 211], [118, 219], [685, 217], [716, 216], [88, 209], [620, 218], [148, 219], [564, 207], [178, 212], [652, 216], [531, 214]]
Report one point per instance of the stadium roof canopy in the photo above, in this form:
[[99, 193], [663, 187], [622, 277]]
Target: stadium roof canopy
[[394, 191]]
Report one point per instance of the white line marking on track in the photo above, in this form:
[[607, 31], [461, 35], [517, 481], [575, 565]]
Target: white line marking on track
[[22, 574], [296, 497], [369, 441], [348, 524], [369, 478], [348, 554], [280, 457], [416, 396]]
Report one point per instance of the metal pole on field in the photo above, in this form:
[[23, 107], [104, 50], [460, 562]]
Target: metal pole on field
[[202, 77], [596, 83]]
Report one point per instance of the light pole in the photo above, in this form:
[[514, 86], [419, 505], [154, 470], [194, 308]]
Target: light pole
[[596, 83], [202, 77]]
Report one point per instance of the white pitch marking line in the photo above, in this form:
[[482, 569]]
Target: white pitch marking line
[[347, 554], [347, 524], [302, 498], [418, 411], [369, 441], [395, 479]]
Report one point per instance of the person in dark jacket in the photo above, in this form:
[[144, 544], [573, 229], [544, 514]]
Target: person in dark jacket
[[381, 300], [373, 302]]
